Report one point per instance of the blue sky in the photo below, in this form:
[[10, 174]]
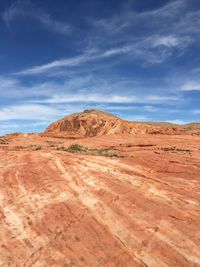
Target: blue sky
[[137, 59]]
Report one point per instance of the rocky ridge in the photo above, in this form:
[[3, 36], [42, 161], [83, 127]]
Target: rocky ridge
[[98, 123]]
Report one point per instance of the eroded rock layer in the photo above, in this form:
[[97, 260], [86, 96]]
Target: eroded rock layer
[[141, 208], [98, 123]]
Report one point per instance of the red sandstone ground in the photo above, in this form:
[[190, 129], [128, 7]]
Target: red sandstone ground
[[65, 209], [141, 208]]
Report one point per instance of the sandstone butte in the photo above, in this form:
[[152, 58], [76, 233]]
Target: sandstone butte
[[125, 194]]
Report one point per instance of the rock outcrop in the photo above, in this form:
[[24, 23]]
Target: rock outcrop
[[98, 123], [2, 141]]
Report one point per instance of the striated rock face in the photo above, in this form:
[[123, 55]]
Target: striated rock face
[[97, 123], [2, 141], [60, 209]]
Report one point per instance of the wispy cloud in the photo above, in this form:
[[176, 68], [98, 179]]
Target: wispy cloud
[[173, 17], [178, 121], [24, 8], [191, 86], [156, 49], [152, 50], [130, 18], [137, 118], [29, 112], [75, 61], [170, 41], [127, 107], [169, 27], [197, 111], [10, 126], [70, 62], [85, 89], [95, 98], [167, 32], [100, 98], [165, 35], [13, 88]]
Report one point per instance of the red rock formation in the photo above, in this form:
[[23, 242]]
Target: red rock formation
[[2, 141], [98, 123]]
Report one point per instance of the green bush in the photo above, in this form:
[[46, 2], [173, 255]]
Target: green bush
[[77, 148]]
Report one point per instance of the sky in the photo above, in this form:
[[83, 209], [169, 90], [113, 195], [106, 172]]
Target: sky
[[137, 59]]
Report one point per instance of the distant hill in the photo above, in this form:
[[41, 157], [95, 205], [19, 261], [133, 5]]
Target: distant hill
[[188, 126]]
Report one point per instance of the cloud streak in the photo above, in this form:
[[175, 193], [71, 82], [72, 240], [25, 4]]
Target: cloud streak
[[110, 98], [76, 61], [85, 89], [28, 112], [23, 9], [153, 50], [191, 86], [168, 32]]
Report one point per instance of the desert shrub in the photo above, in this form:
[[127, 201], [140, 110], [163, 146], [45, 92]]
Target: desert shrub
[[37, 148], [106, 153], [77, 148], [52, 145]]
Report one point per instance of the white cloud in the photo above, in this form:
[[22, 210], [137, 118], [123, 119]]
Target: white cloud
[[29, 112], [172, 17], [178, 121], [86, 89], [136, 118], [156, 49], [95, 98], [12, 88], [127, 107], [110, 98], [117, 51], [170, 41], [164, 30], [20, 9], [70, 62], [10, 126], [149, 108], [158, 98], [145, 49], [169, 27], [129, 18], [75, 61], [191, 86], [197, 111]]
